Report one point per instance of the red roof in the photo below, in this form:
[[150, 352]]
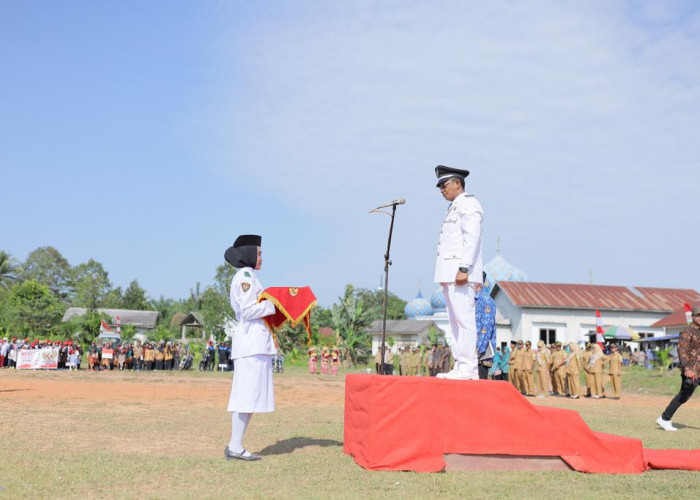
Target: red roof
[[676, 318], [559, 295]]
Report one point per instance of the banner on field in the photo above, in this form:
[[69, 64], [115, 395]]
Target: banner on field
[[37, 359]]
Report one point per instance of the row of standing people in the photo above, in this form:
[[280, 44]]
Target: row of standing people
[[137, 356], [557, 369], [415, 361], [330, 360], [69, 353]]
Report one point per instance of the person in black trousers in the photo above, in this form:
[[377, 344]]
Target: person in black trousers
[[689, 360]]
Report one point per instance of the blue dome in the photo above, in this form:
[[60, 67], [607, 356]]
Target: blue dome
[[418, 307], [499, 269], [437, 300]]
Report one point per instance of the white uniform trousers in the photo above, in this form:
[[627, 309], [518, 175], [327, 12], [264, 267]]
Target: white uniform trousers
[[252, 390], [461, 309]]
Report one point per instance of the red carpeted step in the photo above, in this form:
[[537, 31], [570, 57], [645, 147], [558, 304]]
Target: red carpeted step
[[409, 423]]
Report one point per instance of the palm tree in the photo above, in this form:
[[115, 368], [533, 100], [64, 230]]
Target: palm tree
[[8, 269]]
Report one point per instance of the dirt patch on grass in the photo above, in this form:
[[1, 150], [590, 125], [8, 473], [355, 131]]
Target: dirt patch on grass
[[155, 388]]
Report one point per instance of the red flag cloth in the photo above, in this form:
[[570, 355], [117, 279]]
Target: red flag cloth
[[381, 411], [688, 313], [293, 304], [599, 329], [105, 326]]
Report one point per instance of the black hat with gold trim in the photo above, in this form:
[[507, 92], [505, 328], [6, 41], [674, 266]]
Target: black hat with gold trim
[[444, 173]]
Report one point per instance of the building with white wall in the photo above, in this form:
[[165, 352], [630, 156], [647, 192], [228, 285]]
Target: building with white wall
[[566, 312]]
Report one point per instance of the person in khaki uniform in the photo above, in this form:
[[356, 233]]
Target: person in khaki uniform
[[542, 364], [138, 356], [615, 371], [559, 369], [574, 364], [527, 367], [518, 366], [586, 360], [598, 359], [550, 364], [416, 361], [512, 372], [402, 358]]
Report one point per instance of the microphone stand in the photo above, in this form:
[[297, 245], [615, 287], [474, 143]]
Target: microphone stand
[[387, 263]]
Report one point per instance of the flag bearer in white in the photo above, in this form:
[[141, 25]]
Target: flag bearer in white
[[252, 346], [459, 269]]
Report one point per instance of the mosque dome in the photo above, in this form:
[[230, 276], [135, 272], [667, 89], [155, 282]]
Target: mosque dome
[[418, 307], [437, 300], [499, 269]]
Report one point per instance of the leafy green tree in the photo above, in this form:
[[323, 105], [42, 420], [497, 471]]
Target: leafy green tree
[[662, 359], [86, 328], [32, 308], [47, 266], [113, 299], [435, 335], [135, 297], [350, 319], [321, 316], [194, 301], [166, 308], [9, 269], [128, 332], [91, 285], [216, 310], [222, 280], [374, 299]]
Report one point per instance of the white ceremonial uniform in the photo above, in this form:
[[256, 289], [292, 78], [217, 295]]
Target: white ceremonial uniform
[[460, 246], [252, 347]]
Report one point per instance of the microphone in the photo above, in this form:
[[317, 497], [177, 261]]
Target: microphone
[[400, 201]]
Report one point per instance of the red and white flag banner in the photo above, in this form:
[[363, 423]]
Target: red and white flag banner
[[688, 313], [599, 328]]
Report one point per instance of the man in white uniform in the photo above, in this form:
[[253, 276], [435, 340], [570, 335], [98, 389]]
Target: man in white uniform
[[252, 346], [459, 269]]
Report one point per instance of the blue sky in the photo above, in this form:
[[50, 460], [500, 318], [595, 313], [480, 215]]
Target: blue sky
[[147, 135]]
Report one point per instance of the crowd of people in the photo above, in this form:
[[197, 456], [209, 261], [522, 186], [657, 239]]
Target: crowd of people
[[161, 355], [549, 370], [69, 353], [556, 369], [146, 356], [415, 360]]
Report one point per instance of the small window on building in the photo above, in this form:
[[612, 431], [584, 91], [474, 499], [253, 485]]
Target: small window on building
[[548, 335]]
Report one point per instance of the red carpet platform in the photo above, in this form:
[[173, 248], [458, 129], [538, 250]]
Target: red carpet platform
[[409, 423]]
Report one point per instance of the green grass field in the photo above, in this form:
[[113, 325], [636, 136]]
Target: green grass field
[[162, 435]]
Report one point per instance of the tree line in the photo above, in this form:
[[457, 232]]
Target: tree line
[[35, 294]]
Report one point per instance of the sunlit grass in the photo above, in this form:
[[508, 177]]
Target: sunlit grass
[[171, 446]]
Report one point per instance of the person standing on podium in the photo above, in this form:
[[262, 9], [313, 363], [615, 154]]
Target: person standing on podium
[[459, 269]]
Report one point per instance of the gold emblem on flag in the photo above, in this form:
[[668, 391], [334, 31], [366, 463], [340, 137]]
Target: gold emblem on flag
[[293, 291]]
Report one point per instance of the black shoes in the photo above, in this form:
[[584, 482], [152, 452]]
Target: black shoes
[[241, 456]]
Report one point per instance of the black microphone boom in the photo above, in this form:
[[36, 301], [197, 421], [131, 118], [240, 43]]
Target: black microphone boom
[[383, 369]]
